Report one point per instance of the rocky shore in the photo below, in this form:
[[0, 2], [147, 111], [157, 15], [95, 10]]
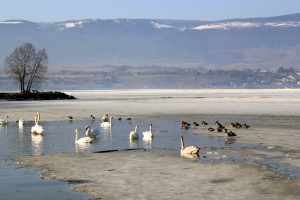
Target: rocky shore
[[49, 95]]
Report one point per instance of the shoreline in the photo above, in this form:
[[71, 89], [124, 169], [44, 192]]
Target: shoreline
[[33, 96], [146, 175]]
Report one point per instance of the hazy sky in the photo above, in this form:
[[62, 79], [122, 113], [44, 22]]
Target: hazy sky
[[61, 10]]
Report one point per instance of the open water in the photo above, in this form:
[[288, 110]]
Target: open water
[[271, 141]]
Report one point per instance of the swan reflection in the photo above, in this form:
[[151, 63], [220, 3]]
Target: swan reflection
[[190, 156], [21, 135], [4, 128], [37, 144], [21, 130], [133, 143], [106, 133], [82, 147], [147, 143]]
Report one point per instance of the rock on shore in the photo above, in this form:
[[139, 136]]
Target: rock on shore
[[49, 95]]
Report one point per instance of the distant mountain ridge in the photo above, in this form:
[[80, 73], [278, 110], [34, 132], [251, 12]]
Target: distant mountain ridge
[[234, 43]]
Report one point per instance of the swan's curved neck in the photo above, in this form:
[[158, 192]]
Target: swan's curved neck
[[76, 137], [88, 130], [6, 118], [151, 128], [36, 120], [136, 128], [182, 143]]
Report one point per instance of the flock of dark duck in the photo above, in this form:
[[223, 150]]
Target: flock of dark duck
[[219, 127], [193, 150]]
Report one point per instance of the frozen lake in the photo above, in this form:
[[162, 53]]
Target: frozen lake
[[271, 142]]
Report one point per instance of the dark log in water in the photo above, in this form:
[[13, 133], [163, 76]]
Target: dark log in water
[[113, 150], [106, 151]]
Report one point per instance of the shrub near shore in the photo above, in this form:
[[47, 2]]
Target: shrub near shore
[[28, 96]]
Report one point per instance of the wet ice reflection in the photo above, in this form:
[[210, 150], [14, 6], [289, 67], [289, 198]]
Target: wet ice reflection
[[3, 128], [133, 143], [190, 156], [80, 147], [147, 143], [37, 144]]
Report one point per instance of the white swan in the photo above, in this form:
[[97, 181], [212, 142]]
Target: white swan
[[105, 118], [37, 129], [82, 140], [107, 124], [190, 149], [148, 134], [92, 133], [4, 122], [134, 134], [22, 122]]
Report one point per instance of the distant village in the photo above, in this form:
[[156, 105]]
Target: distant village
[[157, 77], [175, 78]]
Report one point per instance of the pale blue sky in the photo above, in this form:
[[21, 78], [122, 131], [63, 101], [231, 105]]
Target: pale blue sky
[[62, 10]]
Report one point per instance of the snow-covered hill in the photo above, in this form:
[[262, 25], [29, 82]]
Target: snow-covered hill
[[247, 43]]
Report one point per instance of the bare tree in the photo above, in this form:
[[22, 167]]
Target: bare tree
[[27, 67]]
